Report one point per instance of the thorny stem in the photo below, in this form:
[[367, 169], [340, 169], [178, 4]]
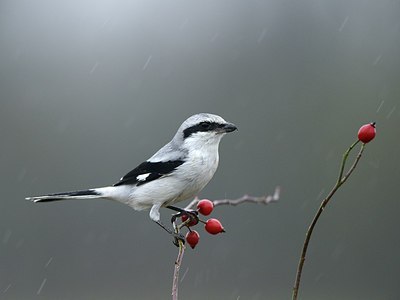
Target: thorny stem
[[181, 247], [342, 179]]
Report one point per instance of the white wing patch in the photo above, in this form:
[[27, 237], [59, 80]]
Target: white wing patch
[[142, 177]]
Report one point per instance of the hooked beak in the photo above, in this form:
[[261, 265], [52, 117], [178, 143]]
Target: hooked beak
[[229, 127]]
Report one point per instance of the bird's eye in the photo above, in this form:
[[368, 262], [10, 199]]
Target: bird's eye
[[205, 125]]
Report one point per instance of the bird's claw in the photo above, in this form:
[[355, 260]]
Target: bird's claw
[[178, 237], [192, 214]]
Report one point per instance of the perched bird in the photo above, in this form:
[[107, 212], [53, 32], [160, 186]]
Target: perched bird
[[176, 172]]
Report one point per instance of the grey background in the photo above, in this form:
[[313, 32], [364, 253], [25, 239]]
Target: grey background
[[89, 89]]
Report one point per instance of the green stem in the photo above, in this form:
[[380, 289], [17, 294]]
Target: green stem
[[342, 179], [344, 159]]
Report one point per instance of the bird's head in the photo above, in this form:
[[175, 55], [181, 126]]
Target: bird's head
[[203, 128]]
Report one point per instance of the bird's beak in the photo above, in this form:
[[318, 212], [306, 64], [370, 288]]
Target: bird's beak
[[229, 127]]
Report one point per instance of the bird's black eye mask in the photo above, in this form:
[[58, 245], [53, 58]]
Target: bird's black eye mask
[[202, 126]]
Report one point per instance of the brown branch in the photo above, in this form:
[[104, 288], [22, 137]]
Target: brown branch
[[178, 264], [342, 179], [244, 199]]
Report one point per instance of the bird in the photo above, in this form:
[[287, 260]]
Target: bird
[[176, 172]]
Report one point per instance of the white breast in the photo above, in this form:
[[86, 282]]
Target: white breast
[[200, 167]]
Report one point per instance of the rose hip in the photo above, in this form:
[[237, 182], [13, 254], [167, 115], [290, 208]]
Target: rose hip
[[205, 207], [367, 132], [192, 222], [214, 226], [192, 238]]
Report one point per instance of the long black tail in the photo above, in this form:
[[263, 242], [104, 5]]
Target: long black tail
[[77, 195]]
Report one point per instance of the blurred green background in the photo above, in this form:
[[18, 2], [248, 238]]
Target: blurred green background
[[90, 89]]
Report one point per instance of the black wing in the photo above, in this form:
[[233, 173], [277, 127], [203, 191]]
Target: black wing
[[149, 171]]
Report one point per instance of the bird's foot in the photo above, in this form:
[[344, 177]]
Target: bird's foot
[[178, 237], [192, 214]]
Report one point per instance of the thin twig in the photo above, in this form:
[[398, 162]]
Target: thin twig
[[178, 264], [342, 179], [244, 199], [345, 156], [181, 249]]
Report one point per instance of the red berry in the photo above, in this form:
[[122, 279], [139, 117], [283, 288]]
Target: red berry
[[205, 207], [192, 222], [192, 237], [367, 132], [214, 226]]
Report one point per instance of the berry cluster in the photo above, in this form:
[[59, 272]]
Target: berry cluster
[[212, 226]]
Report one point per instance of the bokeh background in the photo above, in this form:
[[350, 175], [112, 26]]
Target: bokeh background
[[89, 89]]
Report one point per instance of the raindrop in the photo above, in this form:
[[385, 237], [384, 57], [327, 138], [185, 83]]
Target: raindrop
[[7, 288], [380, 106], [377, 60], [262, 35], [184, 274], [48, 262], [147, 63], [391, 112], [41, 286], [94, 68], [343, 24]]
